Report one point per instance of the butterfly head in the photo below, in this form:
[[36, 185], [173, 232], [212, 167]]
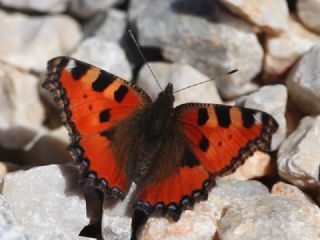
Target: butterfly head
[[166, 96]]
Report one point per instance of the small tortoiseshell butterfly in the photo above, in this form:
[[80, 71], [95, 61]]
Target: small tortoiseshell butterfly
[[120, 136]]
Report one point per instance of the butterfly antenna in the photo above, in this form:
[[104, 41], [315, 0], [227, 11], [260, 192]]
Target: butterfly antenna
[[209, 80], [144, 59]]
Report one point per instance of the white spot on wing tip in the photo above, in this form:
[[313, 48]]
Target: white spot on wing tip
[[71, 65], [258, 117]]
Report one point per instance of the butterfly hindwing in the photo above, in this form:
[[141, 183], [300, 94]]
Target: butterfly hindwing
[[91, 102], [216, 140]]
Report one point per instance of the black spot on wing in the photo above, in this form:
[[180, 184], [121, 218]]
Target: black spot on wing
[[247, 117], [223, 115], [202, 116], [189, 159], [107, 134], [103, 81], [120, 94], [104, 116], [204, 144], [79, 70]]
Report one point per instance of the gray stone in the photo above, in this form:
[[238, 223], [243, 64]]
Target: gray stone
[[271, 218], [272, 100], [308, 12], [9, 228], [29, 42], [88, 8], [298, 157], [50, 6], [303, 82], [180, 75], [210, 47], [106, 55], [283, 50], [113, 27], [21, 110], [202, 221], [270, 16], [47, 201]]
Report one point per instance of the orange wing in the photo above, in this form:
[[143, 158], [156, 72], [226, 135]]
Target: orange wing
[[223, 137], [91, 101], [216, 140]]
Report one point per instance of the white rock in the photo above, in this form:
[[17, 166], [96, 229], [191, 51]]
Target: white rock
[[202, 222], [9, 228], [272, 100], [87, 8], [107, 55], [271, 16], [303, 82], [283, 50], [180, 75], [298, 156], [308, 12], [258, 165], [113, 27], [210, 47], [28, 42], [47, 201], [48, 147], [21, 110], [289, 191], [271, 218], [51, 6]]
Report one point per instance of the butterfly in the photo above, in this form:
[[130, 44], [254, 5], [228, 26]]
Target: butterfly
[[173, 154]]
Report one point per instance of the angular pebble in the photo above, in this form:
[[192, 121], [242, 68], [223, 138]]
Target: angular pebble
[[289, 191], [29, 42], [47, 201], [270, 16], [308, 12], [88, 8], [21, 110], [180, 75], [107, 55], [303, 82], [271, 217], [202, 221], [298, 156], [113, 27], [9, 228], [48, 6], [272, 100], [283, 50], [210, 47]]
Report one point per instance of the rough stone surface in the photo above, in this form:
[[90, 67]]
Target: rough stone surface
[[202, 222], [48, 147], [113, 27], [308, 12], [271, 16], [180, 75], [255, 166], [303, 82], [289, 191], [50, 6], [298, 156], [271, 217], [283, 50], [272, 100], [47, 201], [107, 55], [210, 47], [21, 110], [9, 228], [88, 8], [28, 42]]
